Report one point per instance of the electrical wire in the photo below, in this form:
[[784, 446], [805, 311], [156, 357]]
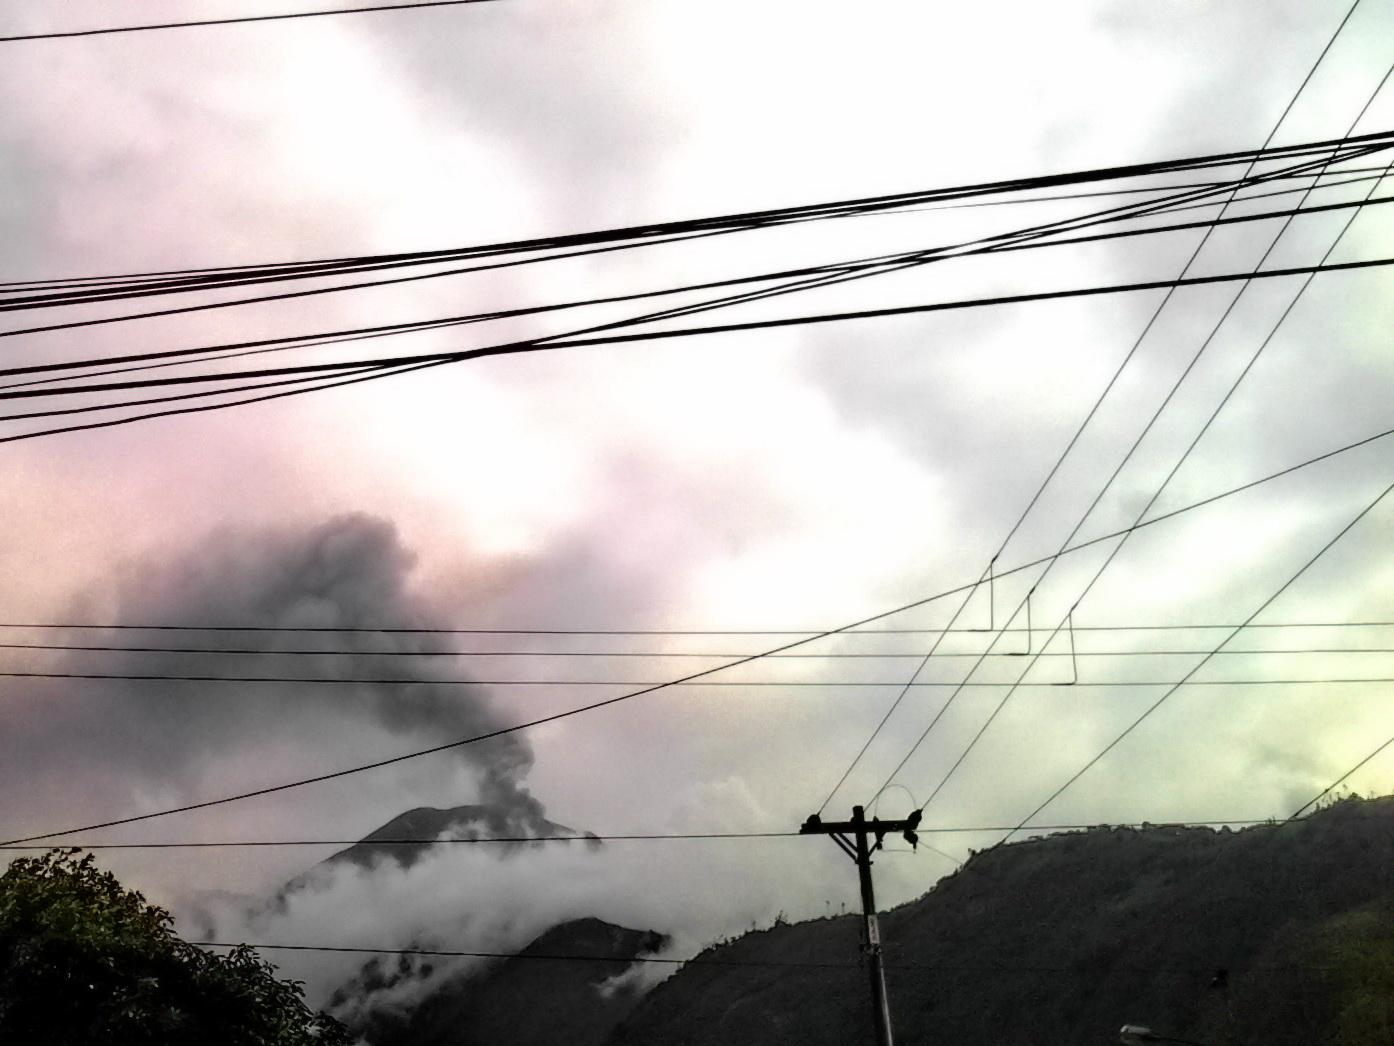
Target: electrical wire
[[836, 274], [719, 227], [547, 956], [662, 684], [1172, 690], [372, 373], [239, 20], [586, 837], [644, 689], [387, 369], [802, 637], [1339, 781], [1332, 175], [1330, 178], [179, 397], [1074, 439], [734, 221], [1230, 822], [523, 347], [294, 629], [1072, 971], [840, 655], [1113, 553], [835, 271]]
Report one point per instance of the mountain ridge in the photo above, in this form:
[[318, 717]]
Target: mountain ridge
[[469, 821], [1065, 938]]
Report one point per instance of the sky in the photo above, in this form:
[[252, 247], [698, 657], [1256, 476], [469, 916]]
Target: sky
[[786, 479]]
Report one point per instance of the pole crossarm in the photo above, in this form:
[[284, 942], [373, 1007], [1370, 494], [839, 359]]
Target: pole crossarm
[[877, 828]]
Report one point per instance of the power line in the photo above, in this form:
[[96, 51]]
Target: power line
[[1163, 698], [1326, 179], [179, 397], [834, 273], [805, 636], [587, 837], [826, 275], [1339, 781], [1072, 971], [664, 685], [1162, 206], [211, 279], [741, 220], [546, 956], [300, 389], [1319, 184], [387, 369], [851, 626], [1329, 180], [846, 269], [700, 227], [293, 629], [644, 837], [841, 655], [1074, 439], [692, 677], [1170, 475], [1113, 553], [521, 347], [241, 19]]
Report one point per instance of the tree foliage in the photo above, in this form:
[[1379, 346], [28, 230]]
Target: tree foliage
[[1360, 948], [84, 960]]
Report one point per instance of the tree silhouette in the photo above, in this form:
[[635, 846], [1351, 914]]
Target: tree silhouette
[[84, 960]]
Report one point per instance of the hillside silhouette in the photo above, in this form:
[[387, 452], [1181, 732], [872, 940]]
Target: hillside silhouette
[[1279, 935], [528, 1000]]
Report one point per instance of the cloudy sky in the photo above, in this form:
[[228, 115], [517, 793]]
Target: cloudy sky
[[786, 479]]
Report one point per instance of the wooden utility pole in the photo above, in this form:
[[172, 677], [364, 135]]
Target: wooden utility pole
[[858, 848]]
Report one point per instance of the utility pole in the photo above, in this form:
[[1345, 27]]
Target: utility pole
[[857, 848]]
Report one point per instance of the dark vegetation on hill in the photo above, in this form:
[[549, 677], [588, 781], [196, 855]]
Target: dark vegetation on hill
[[524, 1001], [1062, 940]]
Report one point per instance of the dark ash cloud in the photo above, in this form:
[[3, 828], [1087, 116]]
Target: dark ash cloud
[[134, 738]]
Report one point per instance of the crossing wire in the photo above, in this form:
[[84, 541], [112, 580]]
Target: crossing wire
[[831, 272], [840, 655], [835, 274], [1339, 781], [1113, 553], [1071, 971], [646, 689], [1079, 432], [1243, 822], [401, 363], [1172, 690], [373, 370], [660, 684], [361, 370], [659, 632], [818, 276], [239, 20], [731, 222]]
